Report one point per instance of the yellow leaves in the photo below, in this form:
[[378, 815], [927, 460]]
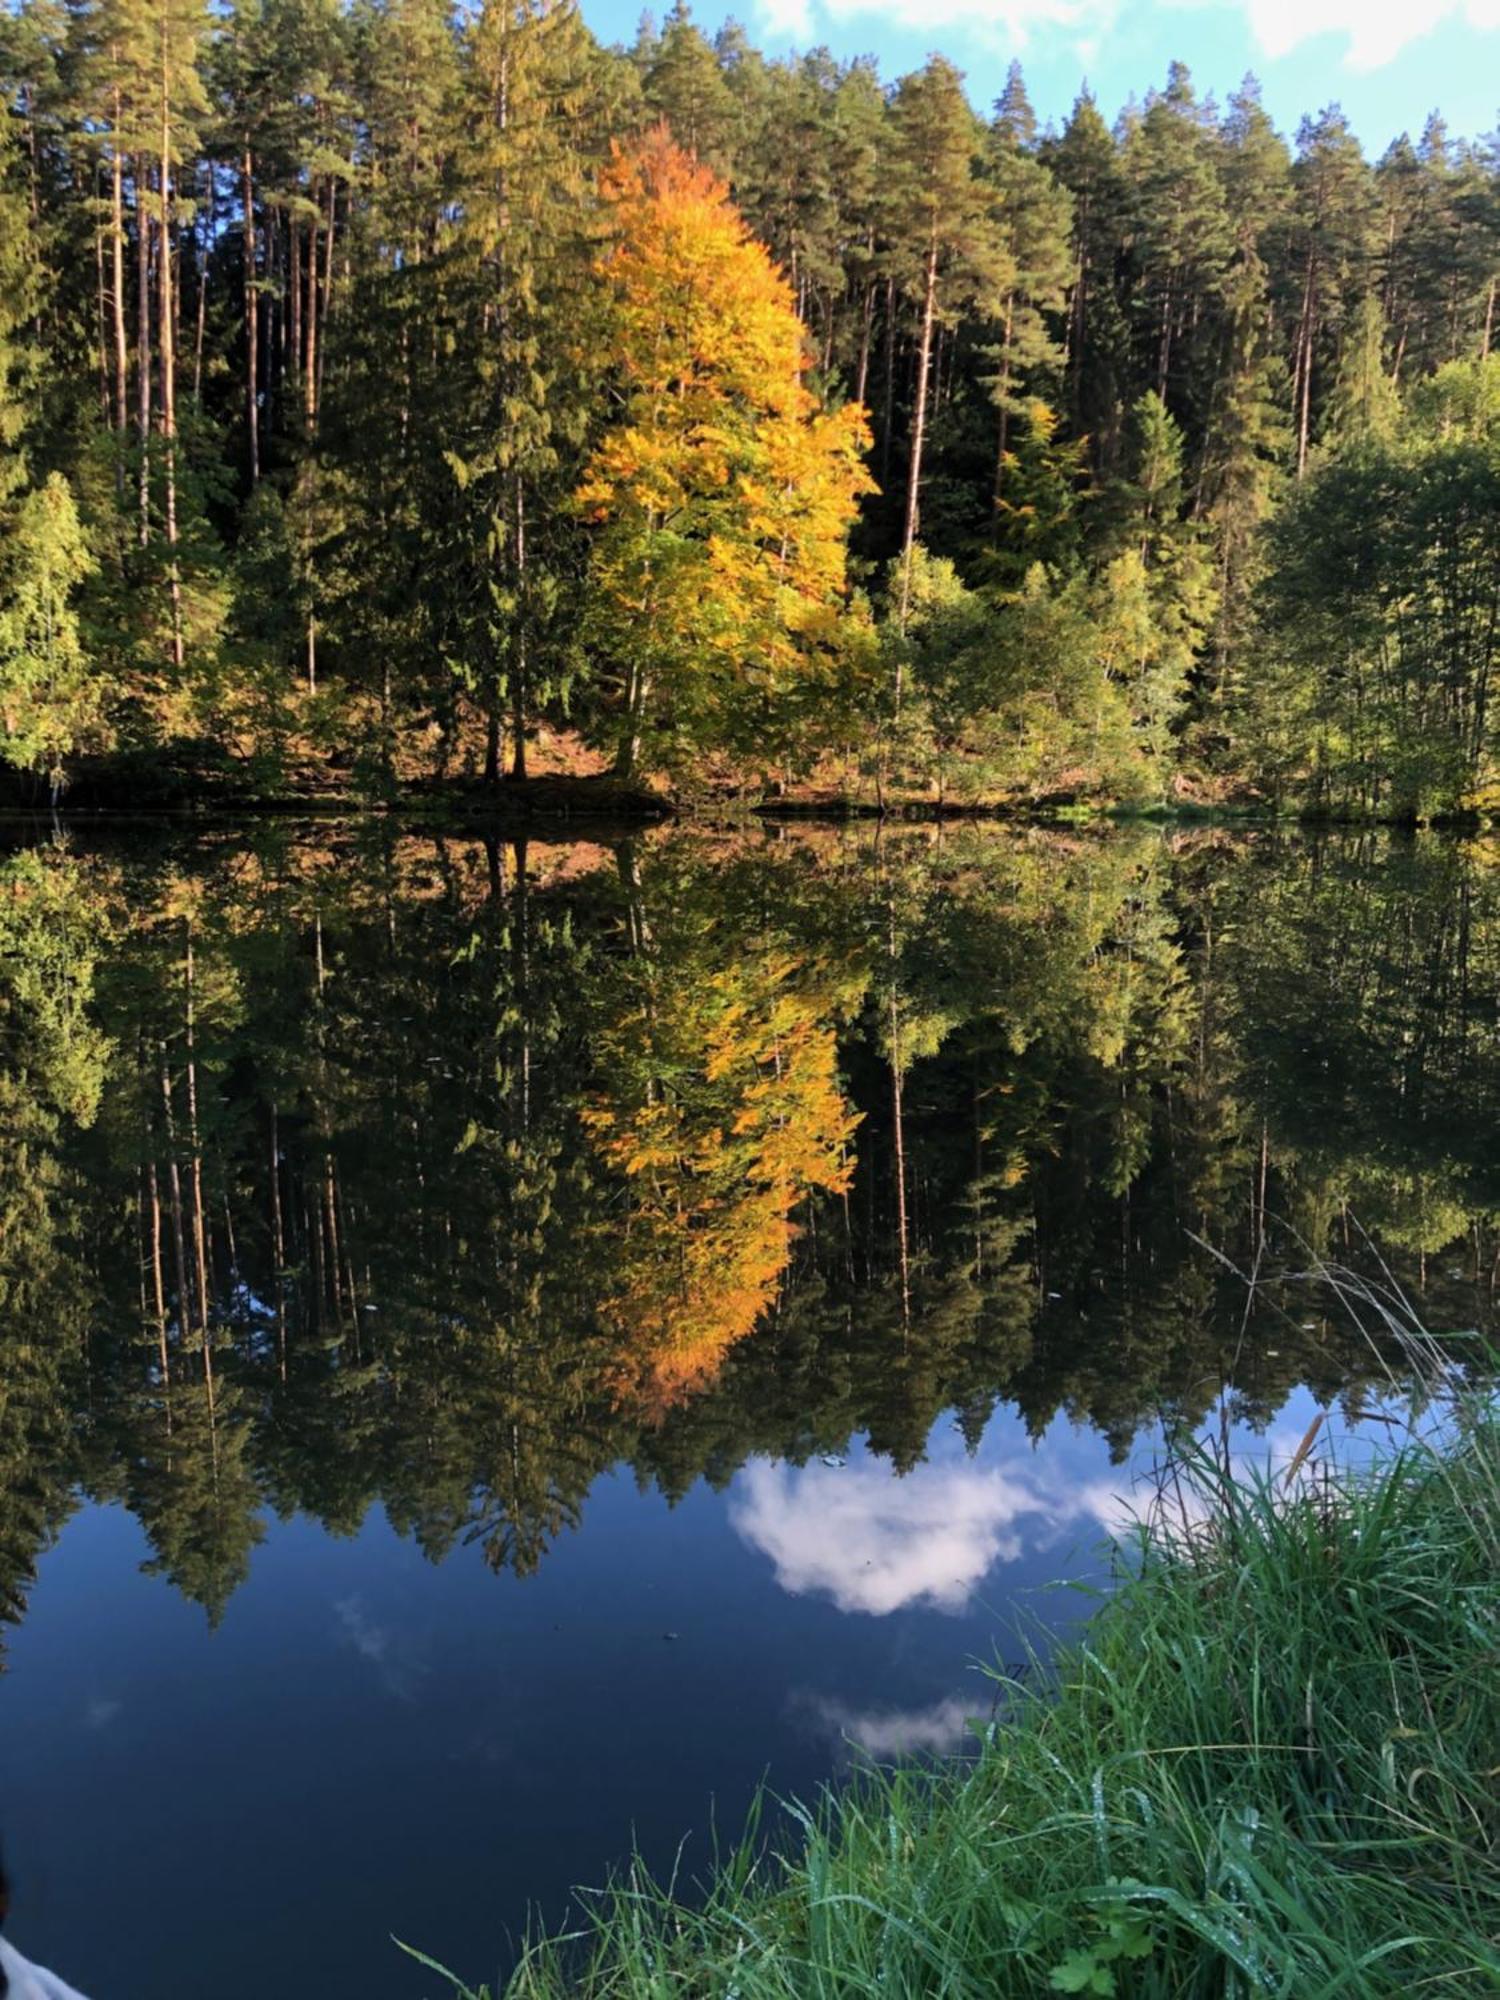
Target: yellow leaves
[[723, 495], [738, 1116]]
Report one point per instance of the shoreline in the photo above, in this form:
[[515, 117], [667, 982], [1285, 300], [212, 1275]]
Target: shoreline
[[1268, 1762]]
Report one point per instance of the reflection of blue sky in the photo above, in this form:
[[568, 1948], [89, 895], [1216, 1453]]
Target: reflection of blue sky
[[873, 1542], [662, 1662]]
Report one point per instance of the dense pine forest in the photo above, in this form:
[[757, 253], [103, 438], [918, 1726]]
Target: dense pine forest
[[392, 395]]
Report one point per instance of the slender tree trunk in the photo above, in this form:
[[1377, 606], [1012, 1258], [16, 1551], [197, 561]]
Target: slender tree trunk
[[168, 344], [252, 313], [117, 249], [185, 1316], [492, 744], [866, 321], [294, 297], [205, 245], [310, 349], [918, 439], [327, 311], [1304, 366], [200, 1241], [158, 1287], [890, 383], [101, 307], [143, 341], [637, 694]]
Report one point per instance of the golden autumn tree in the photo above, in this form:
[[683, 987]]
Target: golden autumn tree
[[721, 493]]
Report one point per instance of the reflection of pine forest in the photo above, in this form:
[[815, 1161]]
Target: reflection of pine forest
[[444, 1174]]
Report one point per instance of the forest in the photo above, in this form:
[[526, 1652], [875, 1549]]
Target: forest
[[399, 397], [356, 1169]]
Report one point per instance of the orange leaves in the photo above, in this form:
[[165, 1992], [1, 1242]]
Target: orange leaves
[[723, 494], [737, 1115]]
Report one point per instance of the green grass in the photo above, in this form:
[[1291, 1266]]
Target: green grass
[[1272, 1767]]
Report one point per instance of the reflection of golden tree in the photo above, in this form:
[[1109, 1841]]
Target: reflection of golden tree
[[727, 1112]]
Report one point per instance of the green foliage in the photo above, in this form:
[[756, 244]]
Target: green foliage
[[50, 697], [347, 256], [1381, 610]]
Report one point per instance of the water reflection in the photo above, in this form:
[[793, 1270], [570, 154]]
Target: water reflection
[[350, 1169], [875, 1545]]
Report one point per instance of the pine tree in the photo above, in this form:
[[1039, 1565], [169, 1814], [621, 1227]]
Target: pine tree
[[1328, 253], [943, 237], [1085, 161], [524, 245], [1364, 404], [684, 85], [1032, 217]]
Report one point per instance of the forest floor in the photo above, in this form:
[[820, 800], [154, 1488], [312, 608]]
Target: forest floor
[[1269, 1767]]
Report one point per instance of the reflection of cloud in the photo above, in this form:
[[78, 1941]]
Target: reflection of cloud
[[873, 1542], [898, 1732], [100, 1714], [395, 1665], [876, 1542]]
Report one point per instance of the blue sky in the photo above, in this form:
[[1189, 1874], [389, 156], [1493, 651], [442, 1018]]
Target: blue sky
[[1386, 62]]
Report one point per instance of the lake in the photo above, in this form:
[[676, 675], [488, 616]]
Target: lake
[[504, 1346]]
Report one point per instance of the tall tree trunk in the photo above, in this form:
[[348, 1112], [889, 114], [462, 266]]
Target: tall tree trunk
[[327, 310], [158, 1288], [293, 363], [168, 344], [866, 321], [492, 737], [1304, 365], [310, 350], [117, 250], [918, 439], [205, 245], [101, 307], [200, 1241], [252, 313], [890, 383], [143, 341]]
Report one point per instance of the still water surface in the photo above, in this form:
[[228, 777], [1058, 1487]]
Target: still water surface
[[505, 1346]]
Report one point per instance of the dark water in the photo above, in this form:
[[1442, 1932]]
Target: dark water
[[501, 1347]]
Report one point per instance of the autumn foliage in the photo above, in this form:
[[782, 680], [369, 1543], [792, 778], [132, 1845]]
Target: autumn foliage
[[734, 1115], [722, 493]]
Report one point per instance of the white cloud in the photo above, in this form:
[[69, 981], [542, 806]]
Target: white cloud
[[1009, 24], [1376, 31]]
